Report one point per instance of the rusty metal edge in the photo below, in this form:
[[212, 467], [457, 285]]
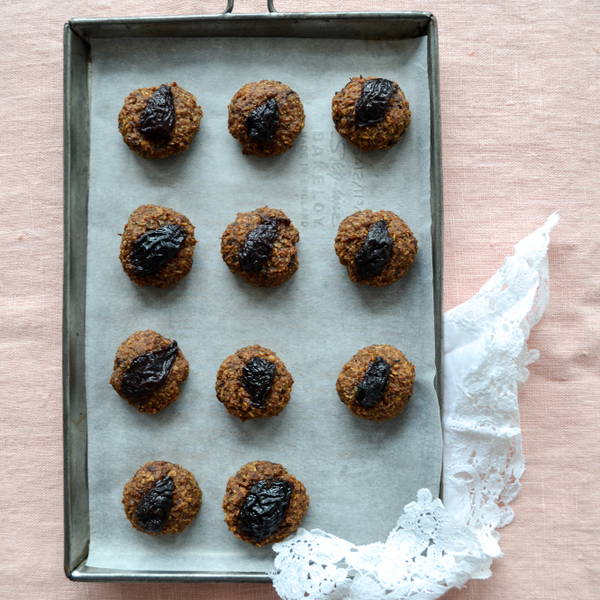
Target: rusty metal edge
[[76, 184]]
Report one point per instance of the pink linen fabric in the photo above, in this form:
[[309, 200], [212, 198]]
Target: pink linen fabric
[[520, 91]]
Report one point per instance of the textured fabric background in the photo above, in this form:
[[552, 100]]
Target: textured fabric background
[[520, 114]]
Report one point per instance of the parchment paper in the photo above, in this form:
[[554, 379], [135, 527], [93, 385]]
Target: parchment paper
[[359, 474]]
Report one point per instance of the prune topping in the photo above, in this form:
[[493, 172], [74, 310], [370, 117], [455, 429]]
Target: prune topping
[[148, 372], [265, 508], [372, 387], [373, 101], [262, 122], [259, 245], [153, 249], [257, 379], [153, 510], [158, 118], [375, 252]]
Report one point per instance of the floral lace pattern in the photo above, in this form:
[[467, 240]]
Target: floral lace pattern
[[437, 546]]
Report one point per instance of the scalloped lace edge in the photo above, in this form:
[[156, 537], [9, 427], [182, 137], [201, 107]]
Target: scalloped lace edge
[[436, 546]]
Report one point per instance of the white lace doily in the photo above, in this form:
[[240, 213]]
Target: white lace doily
[[437, 546]]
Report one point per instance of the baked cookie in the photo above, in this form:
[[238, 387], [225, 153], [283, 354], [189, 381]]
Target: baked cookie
[[253, 383], [260, 247], [371, 113], [265, 117], [159, 121], [161, 497], [377, 248], [263, 503], [148, 371], [376, 383], [157, 246]]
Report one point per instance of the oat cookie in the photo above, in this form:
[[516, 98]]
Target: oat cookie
[[148, 371], [161, 498], [263, 503], [260, 247], [265, 117], [253, 383], [159, 121], [371, 113], [376, 383], [377, 248], [157, 246]]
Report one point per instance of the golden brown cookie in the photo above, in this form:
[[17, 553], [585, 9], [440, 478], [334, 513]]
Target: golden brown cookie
[[148, 371], [157, 246], [253, 383], [265, 117], [371, 113], [260, 247], [159, 121], [377, 248], [376, 383], [263, 503], [161, 497]]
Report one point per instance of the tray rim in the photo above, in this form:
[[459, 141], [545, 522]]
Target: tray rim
[[77, 80], [85, 27]]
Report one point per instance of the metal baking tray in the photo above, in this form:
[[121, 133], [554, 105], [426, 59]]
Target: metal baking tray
[[77, 95]]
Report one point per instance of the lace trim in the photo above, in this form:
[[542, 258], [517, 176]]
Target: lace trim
[[436, 546]]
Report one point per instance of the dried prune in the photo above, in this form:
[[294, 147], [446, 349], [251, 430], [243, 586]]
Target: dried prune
[[158, 118], [153, 249], [149, 371], [373, 101], [153, 510], [259, 245], [375, 252], [372, 387], [263, 121], [258, 379], [265, 508]]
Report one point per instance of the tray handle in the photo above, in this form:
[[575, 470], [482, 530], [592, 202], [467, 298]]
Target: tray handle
[[229, 9]]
